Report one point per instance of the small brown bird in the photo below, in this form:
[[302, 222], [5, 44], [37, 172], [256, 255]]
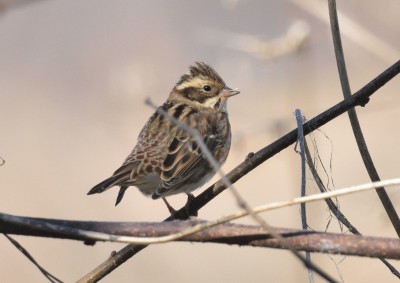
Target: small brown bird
[[167, 160]]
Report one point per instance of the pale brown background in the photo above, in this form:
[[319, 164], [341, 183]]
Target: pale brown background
[[73, 79]]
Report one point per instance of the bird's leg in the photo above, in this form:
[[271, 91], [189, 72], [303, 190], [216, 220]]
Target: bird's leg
[[170, 208], [191, 197], [188, 212]]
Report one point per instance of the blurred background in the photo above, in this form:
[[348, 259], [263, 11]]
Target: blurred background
[[73, 79]]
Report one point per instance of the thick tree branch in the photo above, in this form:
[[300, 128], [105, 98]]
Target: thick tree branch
[[227, 233]]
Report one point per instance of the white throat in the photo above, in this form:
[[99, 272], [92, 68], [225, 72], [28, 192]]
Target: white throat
[[216, 103], [210, 103]]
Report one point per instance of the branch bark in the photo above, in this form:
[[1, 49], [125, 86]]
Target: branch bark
[[227, 233]]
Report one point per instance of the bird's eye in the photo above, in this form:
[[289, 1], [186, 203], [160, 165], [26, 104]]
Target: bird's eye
[[207, 88]]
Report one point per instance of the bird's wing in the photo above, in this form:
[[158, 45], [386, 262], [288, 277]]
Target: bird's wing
[[184, 159]]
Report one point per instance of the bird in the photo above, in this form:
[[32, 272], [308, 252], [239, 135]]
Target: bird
[[167, 160]]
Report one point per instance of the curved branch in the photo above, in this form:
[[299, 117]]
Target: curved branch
[[355, 124]]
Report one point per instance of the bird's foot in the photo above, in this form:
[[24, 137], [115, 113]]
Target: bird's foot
[[188, 215]]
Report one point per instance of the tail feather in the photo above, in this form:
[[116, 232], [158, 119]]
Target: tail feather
[[108, 183], [121, 193], [119, 177]]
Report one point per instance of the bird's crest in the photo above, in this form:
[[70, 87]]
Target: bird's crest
[[202, 70]]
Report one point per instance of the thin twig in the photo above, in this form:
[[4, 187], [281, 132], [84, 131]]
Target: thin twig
[[331, 204], [47, 274], [362, 145], [300, 138]]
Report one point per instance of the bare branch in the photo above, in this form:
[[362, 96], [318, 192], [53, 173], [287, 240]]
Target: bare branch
[[233, 234], [47, 274], [70, 230]]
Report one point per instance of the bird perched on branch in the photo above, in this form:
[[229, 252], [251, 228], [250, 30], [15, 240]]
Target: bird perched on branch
[[168, 160]]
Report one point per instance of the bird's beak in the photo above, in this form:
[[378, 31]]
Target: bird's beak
[[228, 92]]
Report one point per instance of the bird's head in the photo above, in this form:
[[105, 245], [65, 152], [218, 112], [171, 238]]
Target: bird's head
[[202, 87]]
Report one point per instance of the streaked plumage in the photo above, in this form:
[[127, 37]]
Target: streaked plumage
[[166, 160]]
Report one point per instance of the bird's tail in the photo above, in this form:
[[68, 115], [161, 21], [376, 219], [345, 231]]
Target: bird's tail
[[120, 177], [106, 184]]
